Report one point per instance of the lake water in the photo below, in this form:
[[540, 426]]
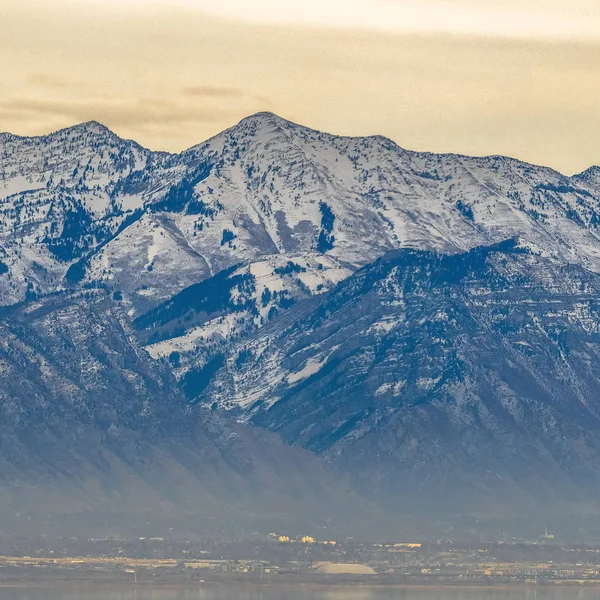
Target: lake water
[[272, 593]]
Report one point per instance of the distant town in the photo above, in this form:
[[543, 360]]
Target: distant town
[[279, 559]]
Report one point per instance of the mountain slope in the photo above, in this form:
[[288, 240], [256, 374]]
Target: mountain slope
[[464, 383], [94, 431]]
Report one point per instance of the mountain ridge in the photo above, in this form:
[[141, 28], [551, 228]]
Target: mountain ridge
[[268, 115]]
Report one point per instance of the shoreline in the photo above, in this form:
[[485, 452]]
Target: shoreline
[[312, 585]]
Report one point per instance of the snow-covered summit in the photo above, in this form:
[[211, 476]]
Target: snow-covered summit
[[82, 200], [590, 177]]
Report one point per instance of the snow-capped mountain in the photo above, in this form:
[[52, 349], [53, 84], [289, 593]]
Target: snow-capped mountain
[[83, 206], [304, 283], [56, 203]]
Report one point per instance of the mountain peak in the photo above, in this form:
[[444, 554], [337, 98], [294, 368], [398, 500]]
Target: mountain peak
[[593, 170], [265, 117], [261, 125], [92, 128], [271, 122], [590, 176], [266, 122], [88, 128]]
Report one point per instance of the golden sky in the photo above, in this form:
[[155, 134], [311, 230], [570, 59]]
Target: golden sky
[[520, 78]]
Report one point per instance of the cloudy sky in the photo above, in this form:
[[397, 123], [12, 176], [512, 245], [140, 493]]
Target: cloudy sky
[[516, 77]]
